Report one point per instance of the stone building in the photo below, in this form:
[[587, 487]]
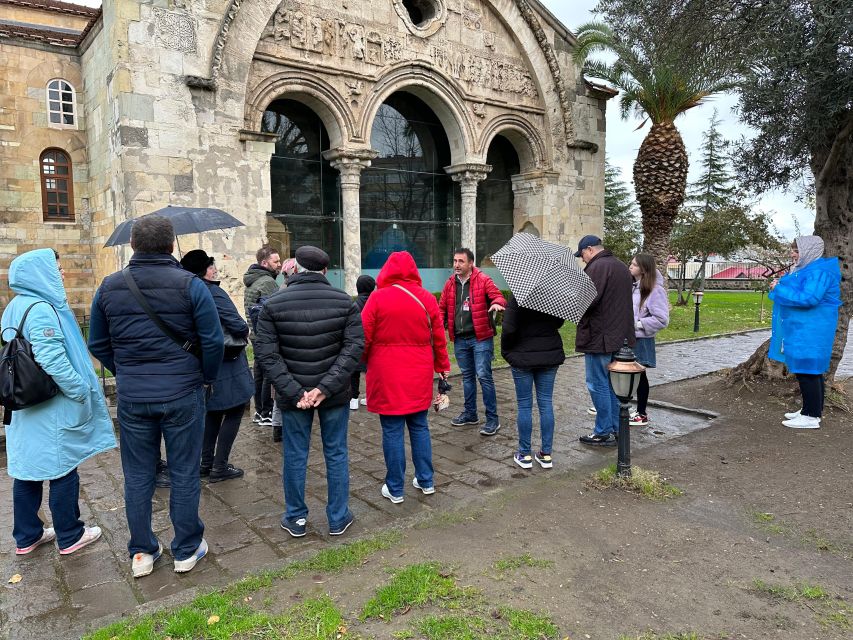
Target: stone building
[[362, 126]]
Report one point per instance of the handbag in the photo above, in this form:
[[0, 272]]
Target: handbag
[[23, 383], [233, 346]]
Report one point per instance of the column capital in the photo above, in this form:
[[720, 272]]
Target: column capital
[[468, 173], [350, 159]]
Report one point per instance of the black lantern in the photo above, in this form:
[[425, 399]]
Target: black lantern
[[697, 299], [625, 374]]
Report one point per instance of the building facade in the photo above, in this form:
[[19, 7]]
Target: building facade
[[361, 126]]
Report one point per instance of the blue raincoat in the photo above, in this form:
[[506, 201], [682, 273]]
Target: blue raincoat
[[805, 316], [49, 440]]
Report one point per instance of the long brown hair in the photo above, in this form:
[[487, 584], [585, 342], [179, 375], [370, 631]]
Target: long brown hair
[[648, 275]]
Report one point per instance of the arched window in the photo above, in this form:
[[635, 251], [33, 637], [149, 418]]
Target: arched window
[[57, 192], [60, 104]]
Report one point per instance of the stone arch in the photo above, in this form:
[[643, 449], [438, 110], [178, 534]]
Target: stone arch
[[313, 93], [525, 138], [438, 91]]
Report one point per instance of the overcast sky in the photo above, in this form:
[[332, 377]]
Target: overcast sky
[[623, 140]]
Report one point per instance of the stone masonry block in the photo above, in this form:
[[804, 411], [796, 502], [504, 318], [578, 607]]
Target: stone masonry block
[[133, 136], [184, 182]]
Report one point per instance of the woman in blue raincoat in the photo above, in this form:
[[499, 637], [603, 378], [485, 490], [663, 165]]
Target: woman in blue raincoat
[[805, 316], [50, 440]]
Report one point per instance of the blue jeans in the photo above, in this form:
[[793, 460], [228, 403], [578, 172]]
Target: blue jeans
[[64, 508], [393, 447], [605, 401], [181, 424], [296, 440], [543, 379], [475, 359]]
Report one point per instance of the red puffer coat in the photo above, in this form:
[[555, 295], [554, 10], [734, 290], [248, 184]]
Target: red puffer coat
[[484, 293], [400, 358]]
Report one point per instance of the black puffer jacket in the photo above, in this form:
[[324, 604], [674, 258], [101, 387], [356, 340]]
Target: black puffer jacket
[[531, 339], [310, 336]]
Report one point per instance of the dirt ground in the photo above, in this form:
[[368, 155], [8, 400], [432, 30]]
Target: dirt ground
[[761, 502]]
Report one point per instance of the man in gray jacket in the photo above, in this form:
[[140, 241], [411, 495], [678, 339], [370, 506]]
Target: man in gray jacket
[[260, 283]]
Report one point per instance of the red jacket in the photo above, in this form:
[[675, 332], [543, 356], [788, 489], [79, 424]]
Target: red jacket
[[484, 293], [400, 357]]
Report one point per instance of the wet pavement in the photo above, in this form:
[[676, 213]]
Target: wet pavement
[[60, 597]]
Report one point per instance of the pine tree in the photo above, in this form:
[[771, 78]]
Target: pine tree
[[621, 225], [714, 190]]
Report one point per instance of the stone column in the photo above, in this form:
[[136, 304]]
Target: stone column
[[350, 163], [469, 176]]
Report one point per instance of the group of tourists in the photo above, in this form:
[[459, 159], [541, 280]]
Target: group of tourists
[[176, 344]]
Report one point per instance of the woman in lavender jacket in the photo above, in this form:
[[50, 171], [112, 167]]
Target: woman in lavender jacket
[[651, 314]]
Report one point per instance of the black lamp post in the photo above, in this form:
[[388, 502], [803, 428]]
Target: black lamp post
[[625, 374], [697, 298]]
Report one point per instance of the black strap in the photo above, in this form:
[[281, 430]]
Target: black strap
[[186, 345], [20, 330]]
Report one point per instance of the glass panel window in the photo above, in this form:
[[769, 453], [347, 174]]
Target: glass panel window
[[495, 200], [306, 201], [60, 103], [57, 195], [408, 202]]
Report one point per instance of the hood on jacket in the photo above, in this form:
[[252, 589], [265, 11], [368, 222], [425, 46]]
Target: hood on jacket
[[811, 248], [256, 272], [35, 273], [399, 267]]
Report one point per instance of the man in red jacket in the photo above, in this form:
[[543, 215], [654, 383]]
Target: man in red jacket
[[467, 301]]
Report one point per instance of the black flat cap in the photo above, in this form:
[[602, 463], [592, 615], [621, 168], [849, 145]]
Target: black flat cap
[[312, 258], [196, 261]]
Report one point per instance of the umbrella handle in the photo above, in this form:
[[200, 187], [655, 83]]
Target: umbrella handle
[[178, 242]]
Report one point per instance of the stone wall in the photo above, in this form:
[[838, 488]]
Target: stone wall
[[25, 70]]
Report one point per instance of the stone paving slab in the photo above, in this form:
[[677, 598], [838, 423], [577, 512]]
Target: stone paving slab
[[59, 596]]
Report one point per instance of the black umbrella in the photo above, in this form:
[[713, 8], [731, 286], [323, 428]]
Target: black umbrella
[[184, 219], [545, 277]]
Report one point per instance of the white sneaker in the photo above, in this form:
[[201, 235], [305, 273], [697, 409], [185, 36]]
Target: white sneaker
[[592, 411], [363, 402], [793, 414], [90, 534], [143, 563], [387, 494], [428, 491], [353, 404], [803, 422], [182, 566], [47, 535]]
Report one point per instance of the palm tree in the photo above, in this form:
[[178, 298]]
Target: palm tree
[[659, 82]]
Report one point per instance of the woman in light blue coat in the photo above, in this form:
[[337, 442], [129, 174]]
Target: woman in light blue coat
[[805, 318], [50, 440]]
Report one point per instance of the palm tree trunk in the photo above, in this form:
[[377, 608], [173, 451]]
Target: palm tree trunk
[[660, 180]]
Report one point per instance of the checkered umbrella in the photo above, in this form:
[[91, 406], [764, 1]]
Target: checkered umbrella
[[545, 277]]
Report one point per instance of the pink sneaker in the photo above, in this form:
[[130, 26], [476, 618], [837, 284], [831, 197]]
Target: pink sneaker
[[48, 535], [90, 534]]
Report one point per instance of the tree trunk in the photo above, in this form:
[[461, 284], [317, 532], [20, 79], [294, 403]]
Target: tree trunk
[[758, 366], [682, 276], [660, 180]]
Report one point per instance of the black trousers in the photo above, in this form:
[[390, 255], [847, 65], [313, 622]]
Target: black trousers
[[642, 393], [813, 389], [263, 391], [220, 431], [355, 384]]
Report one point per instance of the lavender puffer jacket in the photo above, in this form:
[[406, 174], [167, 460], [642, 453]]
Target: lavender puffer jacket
[[654, 315]]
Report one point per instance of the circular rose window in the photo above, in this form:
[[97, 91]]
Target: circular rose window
[[422, 17]]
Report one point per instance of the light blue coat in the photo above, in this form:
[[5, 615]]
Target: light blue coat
[[49, 440], [805, 316]]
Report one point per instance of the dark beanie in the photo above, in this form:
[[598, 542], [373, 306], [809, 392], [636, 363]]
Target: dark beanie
[[312, 258], [196, 261], [365, 285]]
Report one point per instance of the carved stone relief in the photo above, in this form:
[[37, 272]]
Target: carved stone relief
[[340, 38], [174, 30]]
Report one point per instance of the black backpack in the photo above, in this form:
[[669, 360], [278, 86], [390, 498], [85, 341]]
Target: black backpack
[[23, 383], [255, 312]]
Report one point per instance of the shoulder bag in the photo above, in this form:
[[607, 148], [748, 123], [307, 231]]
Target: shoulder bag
[[23, 383]]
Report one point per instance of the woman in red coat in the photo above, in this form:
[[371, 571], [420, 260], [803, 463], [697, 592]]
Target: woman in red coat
[[404, 345]]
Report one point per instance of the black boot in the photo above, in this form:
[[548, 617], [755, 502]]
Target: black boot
[[228, 473], [162, 479]]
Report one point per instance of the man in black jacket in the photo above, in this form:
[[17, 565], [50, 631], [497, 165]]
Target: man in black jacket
[[602, 331], [309, 341]]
